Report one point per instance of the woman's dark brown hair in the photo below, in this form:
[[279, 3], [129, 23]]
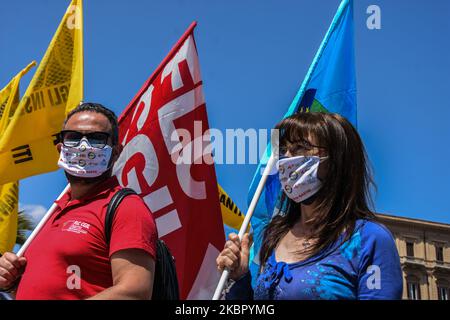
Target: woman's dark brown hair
[[345, 193]]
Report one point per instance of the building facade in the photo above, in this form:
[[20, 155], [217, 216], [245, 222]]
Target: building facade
[[424, 249]]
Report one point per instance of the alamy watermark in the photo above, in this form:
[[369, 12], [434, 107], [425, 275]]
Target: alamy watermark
[[231, 146], [373, 21], [74, 279], [373, 281]]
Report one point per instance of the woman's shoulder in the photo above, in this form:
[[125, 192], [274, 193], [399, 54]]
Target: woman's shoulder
[[378, 261], [373, 227], [373, 232]]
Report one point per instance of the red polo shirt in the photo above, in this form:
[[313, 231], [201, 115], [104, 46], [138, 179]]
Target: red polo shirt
[[73, 240]]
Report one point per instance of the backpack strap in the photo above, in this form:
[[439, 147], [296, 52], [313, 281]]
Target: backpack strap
[[165, 285], [111, 211]]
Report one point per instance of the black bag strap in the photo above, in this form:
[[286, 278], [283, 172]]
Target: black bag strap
[[165, 286], [111, 211]]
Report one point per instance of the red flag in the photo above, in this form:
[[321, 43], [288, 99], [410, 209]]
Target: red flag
[[165, 123]]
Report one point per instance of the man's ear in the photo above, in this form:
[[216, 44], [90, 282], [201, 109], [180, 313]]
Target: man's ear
[[58, 147], [117, 150]]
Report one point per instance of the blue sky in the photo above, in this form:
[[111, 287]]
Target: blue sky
[[254, 56]]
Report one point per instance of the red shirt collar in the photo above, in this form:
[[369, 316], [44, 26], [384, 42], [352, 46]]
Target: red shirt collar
[[99, 190]]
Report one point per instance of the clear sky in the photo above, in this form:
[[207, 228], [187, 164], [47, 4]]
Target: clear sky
[[254, 56]]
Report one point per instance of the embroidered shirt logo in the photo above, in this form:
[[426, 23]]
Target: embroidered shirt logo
[[76, 226]]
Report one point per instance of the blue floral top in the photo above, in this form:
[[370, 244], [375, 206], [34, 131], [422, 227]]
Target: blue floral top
[[366, 266]]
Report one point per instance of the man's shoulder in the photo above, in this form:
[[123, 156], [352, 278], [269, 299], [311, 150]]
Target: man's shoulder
[[133, 202]]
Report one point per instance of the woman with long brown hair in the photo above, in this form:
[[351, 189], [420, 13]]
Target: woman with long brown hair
[[325, 242]]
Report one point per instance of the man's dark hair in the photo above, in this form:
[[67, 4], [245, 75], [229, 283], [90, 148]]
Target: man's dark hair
[[97, 107]]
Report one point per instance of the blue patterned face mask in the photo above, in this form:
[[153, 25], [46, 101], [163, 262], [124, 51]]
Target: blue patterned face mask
[[298, 176], [85, 160]]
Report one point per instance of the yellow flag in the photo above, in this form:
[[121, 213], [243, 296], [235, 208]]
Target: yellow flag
[[231, 215], [9, 198], [9, 193], [9, 98], [27, 146]]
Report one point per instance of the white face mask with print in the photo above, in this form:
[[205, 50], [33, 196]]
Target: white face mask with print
[[84, 160], [298, 176]]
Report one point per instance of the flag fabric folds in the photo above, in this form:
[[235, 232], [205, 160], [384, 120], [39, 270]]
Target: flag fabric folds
[[9, 99], [329, 86], [9, 203], [27, 146], [9, 192], [163, 131], [232, 216]]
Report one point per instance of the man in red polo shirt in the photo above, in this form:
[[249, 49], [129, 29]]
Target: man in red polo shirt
[[70, 258]]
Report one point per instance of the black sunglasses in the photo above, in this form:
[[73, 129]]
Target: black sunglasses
[[303, 145], [72, 138]]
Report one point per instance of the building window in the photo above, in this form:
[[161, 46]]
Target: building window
[[439, 253], [413, 291], [443, 293], [410, 249]]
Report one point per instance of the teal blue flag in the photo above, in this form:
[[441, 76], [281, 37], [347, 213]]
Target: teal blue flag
[[329, 86]]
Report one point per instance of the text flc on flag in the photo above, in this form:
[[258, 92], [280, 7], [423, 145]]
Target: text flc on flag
[[182, 195]]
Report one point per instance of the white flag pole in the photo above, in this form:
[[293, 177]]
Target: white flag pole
[[246, 222], [40, 224], [291, 110]]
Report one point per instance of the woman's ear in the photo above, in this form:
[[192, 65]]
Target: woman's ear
[[322, 172]]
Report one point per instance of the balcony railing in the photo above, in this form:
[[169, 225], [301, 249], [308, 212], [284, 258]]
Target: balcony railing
[[428, 263], [413, 260]]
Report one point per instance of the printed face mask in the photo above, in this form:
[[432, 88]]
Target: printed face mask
[[84, 160], [298, 176]]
